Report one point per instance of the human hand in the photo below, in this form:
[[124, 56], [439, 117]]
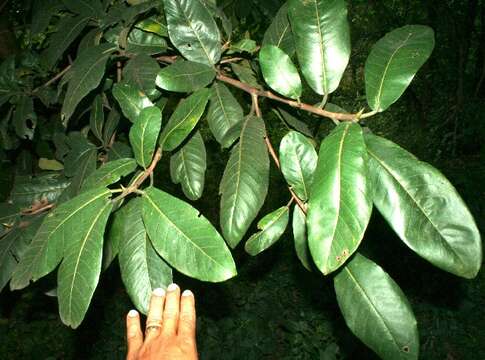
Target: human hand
[[170, 328]]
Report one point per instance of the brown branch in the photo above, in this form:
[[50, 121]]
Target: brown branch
[[272, 152], [230, 60], [54, 79]]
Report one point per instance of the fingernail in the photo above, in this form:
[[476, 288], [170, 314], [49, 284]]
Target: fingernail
[[172, 287], [133, 313], [187, 293], [158, 292]]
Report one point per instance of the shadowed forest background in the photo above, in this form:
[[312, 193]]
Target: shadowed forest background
[[274, 308]]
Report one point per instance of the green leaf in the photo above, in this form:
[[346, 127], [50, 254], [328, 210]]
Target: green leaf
[[119, 150], [78, 274], [279, 32], [223, 114], [42, 13], [245, 73], [142, 42], [109, 173], [68, 29], [376, 310], [90, 8], [279, 72], [298, 160], [244, 184], [142, 269], [394, 61], [110, 127], [144, 133], [9, 215], [46, 249], [292, 122], [321, 32], [27, 189], [193, 31], [153, 24], [50, 164], [96, 118], [271, 227], [86, 74], [79, 147], [25, 118], [185, 76], [340, 202], [185, 238], [243, 45], [141, 72], [131, 100], [188, 165], [184, 119], [423, 208], [300, 236]]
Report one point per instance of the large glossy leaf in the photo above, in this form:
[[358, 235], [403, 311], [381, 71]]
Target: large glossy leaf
[[193, 31], [185, 76], [131, 100], [271, 227], [188, 165], [144, 133], [28, 190], [86, 74], [78, 274], [109, 173], [393, 62], [423, 208], [185, 238], [223, 114], [184, 119], [68, 30], [340, 202], [321, 32], [300, 236], [244, 183], [46, 249], [142, 42], [298, 160], [96, 117], [279, 72], [376, 310], [279, 32], [142, 269], [141, 72]]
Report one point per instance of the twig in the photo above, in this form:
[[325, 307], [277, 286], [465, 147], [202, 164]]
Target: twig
[[54, 79], [230, 60]]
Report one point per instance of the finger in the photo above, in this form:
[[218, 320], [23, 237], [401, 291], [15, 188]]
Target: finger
[[155, 311], [171, 311], [134, 336], [186, 326]]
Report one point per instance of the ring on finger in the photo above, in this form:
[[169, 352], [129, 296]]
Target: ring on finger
[[153, 325]]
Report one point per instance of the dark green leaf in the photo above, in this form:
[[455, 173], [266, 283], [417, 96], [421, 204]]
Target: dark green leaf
[[244, 183], [184, 119], [245, 73], [376, 310], [78, 274], [9, 215], [68, 29], [109, 173], [142, 42], [185, 238], [28, 190], [131, 100], [193, 31], [279, 32], [243, 45], [96, 119], [90, 8], [271, 227], [298, 160], [144, 133], [110, 127], [292, 122], [393, 62], [153, 24], [185, 76], [80, 148], [142, 269], [141, 72], [423, 208], [321, 32], [224, 113], [188, 165], [340, 202], [24, 118], [279, 72], [119, 150], [300, 237], [46, 249], [87, 72], [42, 13]]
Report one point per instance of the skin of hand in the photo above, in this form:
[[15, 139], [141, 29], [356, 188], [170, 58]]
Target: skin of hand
[[170, 328]]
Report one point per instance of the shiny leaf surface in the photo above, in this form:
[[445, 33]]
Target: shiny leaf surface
[[131, 100], [423, 208], [109, 173], [185, 76], [340, 202], [394, 61], [144, 134], [142, 42], [279, 32], [185, 238], [376, 310]]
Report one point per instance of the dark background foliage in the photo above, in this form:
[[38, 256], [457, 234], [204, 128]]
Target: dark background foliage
[[274, 308]]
